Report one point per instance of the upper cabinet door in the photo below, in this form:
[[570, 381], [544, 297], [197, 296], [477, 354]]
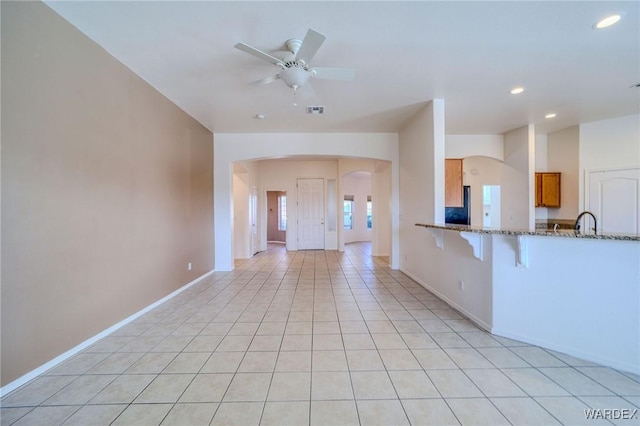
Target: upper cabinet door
[[453, 196], [547, 189], [551, 189]]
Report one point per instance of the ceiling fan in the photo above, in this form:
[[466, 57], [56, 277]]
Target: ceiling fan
[[294, 63]]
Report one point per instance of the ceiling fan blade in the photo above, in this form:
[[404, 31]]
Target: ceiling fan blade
[[345, 74], [310, 45], [265, 80], [307, 92], [259, 54]]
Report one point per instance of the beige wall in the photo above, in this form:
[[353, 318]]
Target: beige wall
[[518, 170], [421, 151], [480, 171], [563, 151], [106, 190]]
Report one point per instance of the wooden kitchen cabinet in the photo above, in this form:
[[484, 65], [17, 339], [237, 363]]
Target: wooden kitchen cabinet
[[547, 189], [453, 192]]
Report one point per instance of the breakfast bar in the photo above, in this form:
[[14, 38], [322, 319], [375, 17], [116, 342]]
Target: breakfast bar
[[577, 293]]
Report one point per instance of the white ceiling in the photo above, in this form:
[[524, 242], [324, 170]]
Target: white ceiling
[[405, 53]]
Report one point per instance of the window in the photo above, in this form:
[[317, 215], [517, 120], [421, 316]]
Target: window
[[369, 211], [348, 212], [282, 213]]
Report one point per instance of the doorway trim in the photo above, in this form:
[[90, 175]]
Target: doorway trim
[[272, 216], [230, 148]]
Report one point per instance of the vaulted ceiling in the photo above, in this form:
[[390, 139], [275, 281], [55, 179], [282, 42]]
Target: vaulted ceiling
[[471, 54]]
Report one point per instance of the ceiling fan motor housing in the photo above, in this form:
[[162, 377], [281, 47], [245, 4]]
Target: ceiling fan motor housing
[[293, 45]]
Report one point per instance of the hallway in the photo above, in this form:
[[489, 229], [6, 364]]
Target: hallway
[[320, 338]]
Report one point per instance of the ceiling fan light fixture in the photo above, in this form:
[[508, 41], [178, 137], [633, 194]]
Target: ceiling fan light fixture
[[295, 76]]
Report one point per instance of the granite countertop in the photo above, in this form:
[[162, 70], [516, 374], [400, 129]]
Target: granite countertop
[[566, 233]]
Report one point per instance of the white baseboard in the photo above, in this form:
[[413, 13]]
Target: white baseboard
[[628, 367], [477, 321], [9, 387], [631, 368]]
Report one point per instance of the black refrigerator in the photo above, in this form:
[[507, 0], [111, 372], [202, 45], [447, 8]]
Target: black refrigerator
[[460, 215]]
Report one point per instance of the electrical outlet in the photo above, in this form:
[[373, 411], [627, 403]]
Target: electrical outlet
[[189, 266]]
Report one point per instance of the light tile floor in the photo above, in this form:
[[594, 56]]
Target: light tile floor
[[315, 337]]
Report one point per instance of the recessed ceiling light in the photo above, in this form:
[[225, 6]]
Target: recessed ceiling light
[[607, 22], [259, 117], [517, 90], [550, 115]]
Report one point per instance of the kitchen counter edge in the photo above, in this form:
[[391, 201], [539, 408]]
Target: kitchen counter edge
[[537, 233]]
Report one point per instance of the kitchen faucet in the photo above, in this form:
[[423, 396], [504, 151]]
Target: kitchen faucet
[[576, 226]]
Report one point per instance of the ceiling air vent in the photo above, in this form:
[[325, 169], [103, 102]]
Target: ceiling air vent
[[315, 110]]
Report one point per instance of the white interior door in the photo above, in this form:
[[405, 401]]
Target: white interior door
[[614, 197], [253, 218], [310, 214]]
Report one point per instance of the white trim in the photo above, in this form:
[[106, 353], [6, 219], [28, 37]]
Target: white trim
[[475, 241], [9, 387], [522, 251], [477, 321], [612, 169], [437, 234], [588, 356], [613, 363]]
